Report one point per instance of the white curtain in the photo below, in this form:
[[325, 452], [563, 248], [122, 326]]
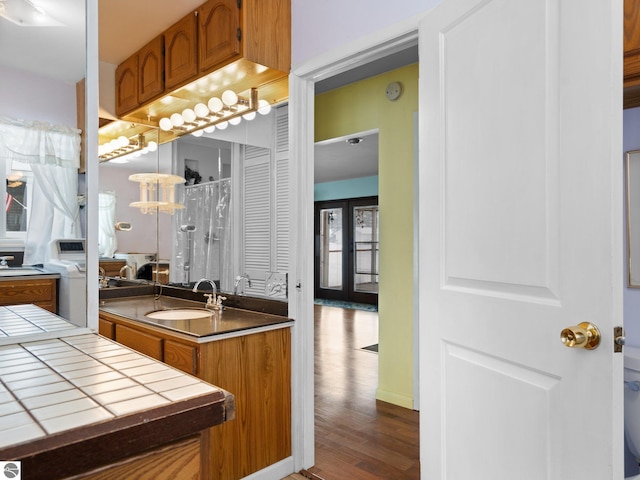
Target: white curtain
[[53, 153], [206, 250], [107, 241]]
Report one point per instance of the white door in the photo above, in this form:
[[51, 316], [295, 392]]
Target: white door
[[520, 236]]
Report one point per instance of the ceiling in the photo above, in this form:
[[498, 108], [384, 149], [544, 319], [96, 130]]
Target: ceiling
[[126, 25]]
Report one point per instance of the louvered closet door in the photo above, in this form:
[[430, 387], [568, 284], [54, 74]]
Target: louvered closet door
[[265, 193], [257, 217]]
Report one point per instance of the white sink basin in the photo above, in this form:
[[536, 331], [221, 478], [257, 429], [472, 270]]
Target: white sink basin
[[180, 314]]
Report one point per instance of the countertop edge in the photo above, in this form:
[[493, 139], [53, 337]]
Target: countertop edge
[[85, 448]]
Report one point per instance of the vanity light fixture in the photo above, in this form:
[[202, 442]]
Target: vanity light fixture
[[157, 192], [121, 146], [217, 113]]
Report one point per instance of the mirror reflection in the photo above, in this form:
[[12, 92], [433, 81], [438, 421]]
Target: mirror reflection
[[41, 119], [222, 229]]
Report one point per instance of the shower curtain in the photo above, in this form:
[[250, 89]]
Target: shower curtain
[[206, 251]]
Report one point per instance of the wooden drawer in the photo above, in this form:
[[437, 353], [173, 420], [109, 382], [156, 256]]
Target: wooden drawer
[[41, 292], [107, 328], [142, 342]]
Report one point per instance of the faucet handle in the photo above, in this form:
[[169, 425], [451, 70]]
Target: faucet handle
[[219, 301], [210, 301]]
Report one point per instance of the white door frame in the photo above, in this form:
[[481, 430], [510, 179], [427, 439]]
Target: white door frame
[[301, 279]]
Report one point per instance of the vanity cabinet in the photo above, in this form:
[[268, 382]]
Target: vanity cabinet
[[255, 367], [179, 460], [39, 291], [112, 267]]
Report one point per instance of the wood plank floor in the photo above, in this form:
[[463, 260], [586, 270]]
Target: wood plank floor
[[357, 436]]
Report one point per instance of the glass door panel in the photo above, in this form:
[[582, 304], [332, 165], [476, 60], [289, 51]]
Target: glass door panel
[[365, 248], [331, 251]]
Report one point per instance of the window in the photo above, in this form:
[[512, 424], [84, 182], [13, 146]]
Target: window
[[17, 179]]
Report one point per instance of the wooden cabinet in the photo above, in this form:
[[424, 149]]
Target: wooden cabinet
[[127, 85], [181, 52], [252, 36], [140, 78], [631, 53], [39, 291], [112, 267], [151, 70], [255, 368], [219, 31], [178, 460]]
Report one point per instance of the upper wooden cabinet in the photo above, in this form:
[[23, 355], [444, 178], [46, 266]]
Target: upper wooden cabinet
[[631, 53], [151, 70], [127, 85], [181, 51], [140, 77], [220, 32], [222, 36]]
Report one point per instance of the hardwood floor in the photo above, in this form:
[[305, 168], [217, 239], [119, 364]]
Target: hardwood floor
[[357, 436]]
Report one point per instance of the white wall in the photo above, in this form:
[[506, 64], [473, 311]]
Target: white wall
[[26, 96], [631, 141], [321, 26]]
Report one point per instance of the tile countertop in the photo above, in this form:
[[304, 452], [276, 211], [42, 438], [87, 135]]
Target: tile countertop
[[229, 321], [66, 403]]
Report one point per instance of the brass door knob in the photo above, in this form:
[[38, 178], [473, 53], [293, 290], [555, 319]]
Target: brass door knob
[[585, 335]]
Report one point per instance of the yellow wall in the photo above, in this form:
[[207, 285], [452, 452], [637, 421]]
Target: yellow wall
[[356, 108]]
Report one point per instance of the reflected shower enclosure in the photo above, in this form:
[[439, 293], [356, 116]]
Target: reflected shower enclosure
[[202, 235]]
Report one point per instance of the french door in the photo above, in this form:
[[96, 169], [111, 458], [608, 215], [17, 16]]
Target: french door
[[347, 250]]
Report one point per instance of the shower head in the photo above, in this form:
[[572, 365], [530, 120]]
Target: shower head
[[188, 228]]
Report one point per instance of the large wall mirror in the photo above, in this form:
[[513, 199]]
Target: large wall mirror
[[42, 65]]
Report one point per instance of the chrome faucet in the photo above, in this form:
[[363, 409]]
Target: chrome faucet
[[214, 301], [124, 269], [244, 276]]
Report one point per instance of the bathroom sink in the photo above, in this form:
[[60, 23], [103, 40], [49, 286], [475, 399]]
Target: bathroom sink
[[180, 314]]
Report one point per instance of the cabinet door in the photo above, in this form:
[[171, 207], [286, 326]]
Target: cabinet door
[[181, 356], [106, 328], [181, 51], [127, 85], [151, 70], [218, 29]]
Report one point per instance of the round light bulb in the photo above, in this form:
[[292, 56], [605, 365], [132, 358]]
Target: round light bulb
[[249, 116], [235, 120], [222, 125], [210, 128], [114, 144], [197, 133], [123, 141], [201, 110], [229, 97], [188, 115], [152, 146], [101, 150], [165, 124], [263, 107], [177, 120], [215, 104]]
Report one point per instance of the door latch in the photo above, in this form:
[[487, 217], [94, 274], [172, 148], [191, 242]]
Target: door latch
[[618, 339]]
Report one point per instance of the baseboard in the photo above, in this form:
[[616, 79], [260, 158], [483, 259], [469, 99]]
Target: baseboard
[[394, 398], [275, 471]]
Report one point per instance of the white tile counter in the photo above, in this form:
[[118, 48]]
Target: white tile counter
[[56, 385]]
